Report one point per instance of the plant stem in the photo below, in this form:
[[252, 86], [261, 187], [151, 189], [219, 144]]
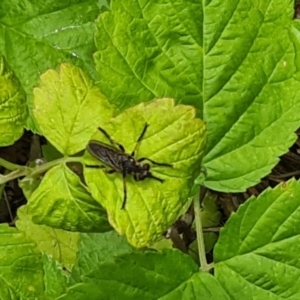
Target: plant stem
[[45, 167], [22, 171], [8, 165], [13, 175], [200, 239]]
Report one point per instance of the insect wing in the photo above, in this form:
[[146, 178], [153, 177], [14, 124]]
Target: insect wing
[[106, 154]]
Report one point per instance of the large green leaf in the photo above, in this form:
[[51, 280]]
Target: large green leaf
[[252, 90], [68, 108], [257, 255], [174, 136], [165, 275], [37, 35], [21, 268], [13, 111], [62, 201], [236, 61]]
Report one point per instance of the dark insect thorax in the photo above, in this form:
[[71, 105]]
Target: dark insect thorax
[[131, 166]]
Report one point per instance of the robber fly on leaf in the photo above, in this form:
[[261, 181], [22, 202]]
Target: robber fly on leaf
[[115, 157]]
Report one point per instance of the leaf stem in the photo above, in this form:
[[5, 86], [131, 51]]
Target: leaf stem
[[200, 239]]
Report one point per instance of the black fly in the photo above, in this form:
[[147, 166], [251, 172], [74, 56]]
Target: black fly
[[115, 157]]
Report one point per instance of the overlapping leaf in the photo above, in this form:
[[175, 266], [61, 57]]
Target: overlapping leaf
[[257, 255], [62, 201], [174, 136]]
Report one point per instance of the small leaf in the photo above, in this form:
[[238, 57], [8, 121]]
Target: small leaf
[[21, 268], [165, 275], [257, 254], [13, 110], [62, 201], [68, 108], [60, 244], [174, 136]]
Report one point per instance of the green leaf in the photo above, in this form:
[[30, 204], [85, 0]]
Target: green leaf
[[240, 71], [174, 136], [21, 269], [68, 108], [13, 111], [96, 248], [60, 244], [165, 275], [155, 53], [37, 35], [251, 84], [62, 201], [257, 255]]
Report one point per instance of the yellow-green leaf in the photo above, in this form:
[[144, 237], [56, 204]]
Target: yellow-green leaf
[[174, 136], [68, 107]]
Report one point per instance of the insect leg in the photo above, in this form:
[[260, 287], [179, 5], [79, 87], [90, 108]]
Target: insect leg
[[110, 171], [124, 189], [95, 166], [111, 140], [156, 178], [149, 175], [101, 167], [139, 139], [154, 162]]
